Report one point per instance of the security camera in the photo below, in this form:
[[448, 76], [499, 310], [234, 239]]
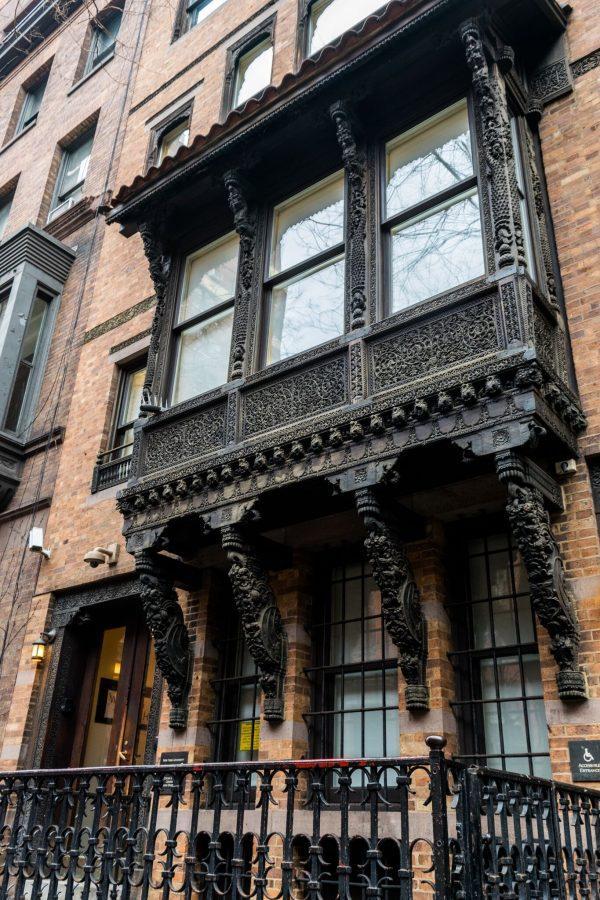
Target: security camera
[[100, 555], [36, 542]]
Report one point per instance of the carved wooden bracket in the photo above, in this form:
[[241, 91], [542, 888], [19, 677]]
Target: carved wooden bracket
[[492, 110], [355, 165], [400, 598], [238, 193], [551, 595], [164, 618], [159, 264], [262, 625]]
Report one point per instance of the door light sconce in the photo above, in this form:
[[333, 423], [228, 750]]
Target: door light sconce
[[38, 648]]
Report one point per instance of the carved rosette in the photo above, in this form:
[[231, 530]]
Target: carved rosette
[[355, 165], [159, 265], [245, 224], [400, 598], [551, 595], [164, 618], [493, 114], [262, 625]]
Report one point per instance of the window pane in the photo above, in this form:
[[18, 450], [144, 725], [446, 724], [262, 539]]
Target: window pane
[[436, 253], [132, 396], [105, 35], [32, 103], [253, 72], [172, 140], [197, 12], [308, 224], [76, 163], [306, 312], [210, 278], [429, 159], [203, 359], [4, 214], [31, 338], [331, 18]]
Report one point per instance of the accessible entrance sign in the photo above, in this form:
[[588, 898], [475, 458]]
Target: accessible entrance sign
[[585, 760]]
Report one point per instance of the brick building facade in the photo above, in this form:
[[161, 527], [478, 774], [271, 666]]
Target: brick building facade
[[269, 500]]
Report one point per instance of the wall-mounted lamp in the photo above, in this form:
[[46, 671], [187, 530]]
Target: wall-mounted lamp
[[38, 648], [117, 669]]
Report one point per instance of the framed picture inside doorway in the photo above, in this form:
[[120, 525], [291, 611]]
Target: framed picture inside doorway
[[107, 697]]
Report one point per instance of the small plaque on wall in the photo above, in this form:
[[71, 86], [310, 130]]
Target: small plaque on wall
[[173, 758], [585, 760]]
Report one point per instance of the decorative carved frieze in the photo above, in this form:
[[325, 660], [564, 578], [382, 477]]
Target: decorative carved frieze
[[164, 618], [492, 110], [262, 625], [185, 438], [245, 221], [400, 598], [436, 344], [307, 393], [355, 165], [551, 595], [159, 265], [540, 211]]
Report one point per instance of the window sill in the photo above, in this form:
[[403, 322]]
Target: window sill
[[16, 137], [72, 219], [89, 75]]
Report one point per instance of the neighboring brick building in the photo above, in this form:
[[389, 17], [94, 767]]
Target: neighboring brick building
[[359, 310]]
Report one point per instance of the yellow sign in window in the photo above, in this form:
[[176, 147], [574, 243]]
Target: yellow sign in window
[[250, 735]]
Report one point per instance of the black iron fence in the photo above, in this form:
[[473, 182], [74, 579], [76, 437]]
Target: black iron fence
[[387, 829]]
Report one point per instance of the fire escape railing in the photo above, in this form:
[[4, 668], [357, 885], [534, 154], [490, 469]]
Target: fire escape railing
[[309, 830]]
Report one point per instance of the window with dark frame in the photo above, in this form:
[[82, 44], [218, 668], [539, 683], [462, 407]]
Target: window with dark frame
[[72, 174], [127, 410], [32, 102], [196, 11], [432, 224], [236, 726], [524, 194], [328, 19], [304, 289], [29, 359], [5, 205], [253, 70], [500, 704], [103, 38], [354, 676], [204, 319], [171, 137]]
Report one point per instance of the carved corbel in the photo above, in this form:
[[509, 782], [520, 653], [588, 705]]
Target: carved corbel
[[492, 110], [164, 618], [159, 265], [551, 595], [355, 165], [238, 193], [400, 598], [262, 625]]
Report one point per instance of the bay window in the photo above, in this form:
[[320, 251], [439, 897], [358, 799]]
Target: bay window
[[306, 271], [523, 195], [432, 223], [204, 319], [500, 705]]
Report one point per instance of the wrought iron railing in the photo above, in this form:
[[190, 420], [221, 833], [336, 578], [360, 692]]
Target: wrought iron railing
[[309, 830], [112, 467]]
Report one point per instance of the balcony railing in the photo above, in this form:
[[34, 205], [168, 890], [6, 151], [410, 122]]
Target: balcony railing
[[112, 468], [309, 830]]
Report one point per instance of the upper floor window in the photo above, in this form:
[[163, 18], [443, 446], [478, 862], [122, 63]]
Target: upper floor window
[[204, 319], [305, 285], [28, 360], [253, 71], [127, 410], [432, 223], [354, 711], [172, 138], [330, 18], [523, 193], [31, 104], [198, 10], [71, 177], [5, 205], [103, 38], [500, 703]]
